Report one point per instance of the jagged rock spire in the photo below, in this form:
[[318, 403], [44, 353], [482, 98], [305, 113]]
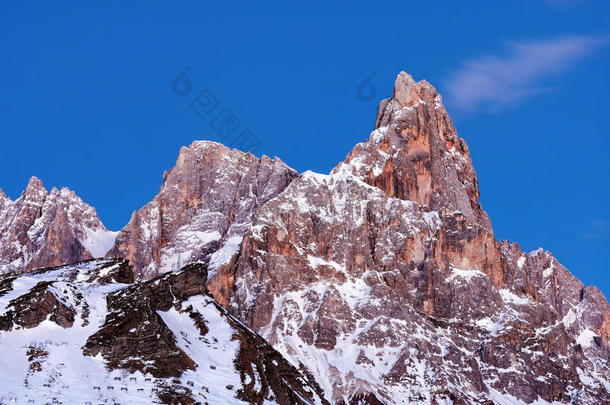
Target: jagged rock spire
[[415, 154]]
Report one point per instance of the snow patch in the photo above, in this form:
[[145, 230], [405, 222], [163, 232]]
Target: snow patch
[[510, 297], [433, 220], [377, 135], [548, 271], [224, 254], [569, 318], [465, 275], [99, 241], [585, 339], [316, 261]]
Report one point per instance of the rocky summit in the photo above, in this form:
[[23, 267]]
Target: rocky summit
[[205, 206], [41, 229], [379, 283], [385, 279]]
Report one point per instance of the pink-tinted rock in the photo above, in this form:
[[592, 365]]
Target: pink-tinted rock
[[205, 205], [43, 228]]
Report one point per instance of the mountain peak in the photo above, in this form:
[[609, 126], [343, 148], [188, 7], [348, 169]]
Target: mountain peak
[[206, 144], [408, 92], [34, 188], [35, 181], [67, 193], [383, 279], [201, 145], [43, 229], [199, 148], [390, 262], [415, 154], [206, 204]]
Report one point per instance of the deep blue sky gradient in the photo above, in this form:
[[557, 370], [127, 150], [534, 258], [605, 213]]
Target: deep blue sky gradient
[[86, 100]]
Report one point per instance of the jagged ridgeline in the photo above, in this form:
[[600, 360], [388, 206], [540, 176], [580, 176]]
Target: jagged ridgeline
[[379, 283]]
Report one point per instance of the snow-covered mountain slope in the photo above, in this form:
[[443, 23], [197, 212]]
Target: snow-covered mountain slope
[[43, 228], [204, 207], [85, 333], [385, 280], [354, 288]]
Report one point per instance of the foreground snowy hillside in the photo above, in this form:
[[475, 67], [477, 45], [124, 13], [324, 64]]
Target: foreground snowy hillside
[[85, 333]]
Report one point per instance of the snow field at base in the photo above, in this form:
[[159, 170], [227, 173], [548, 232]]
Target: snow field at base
[[65, 372], [58, 370]]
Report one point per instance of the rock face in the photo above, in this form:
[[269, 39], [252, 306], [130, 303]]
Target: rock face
[[205, 206], [86, 334], [43, 228], [385, 280]]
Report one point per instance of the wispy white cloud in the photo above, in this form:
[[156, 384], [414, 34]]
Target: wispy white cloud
[[564, 3], [495, 82], [599, 228]]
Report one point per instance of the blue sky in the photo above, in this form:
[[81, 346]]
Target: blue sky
[[86, 98]]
